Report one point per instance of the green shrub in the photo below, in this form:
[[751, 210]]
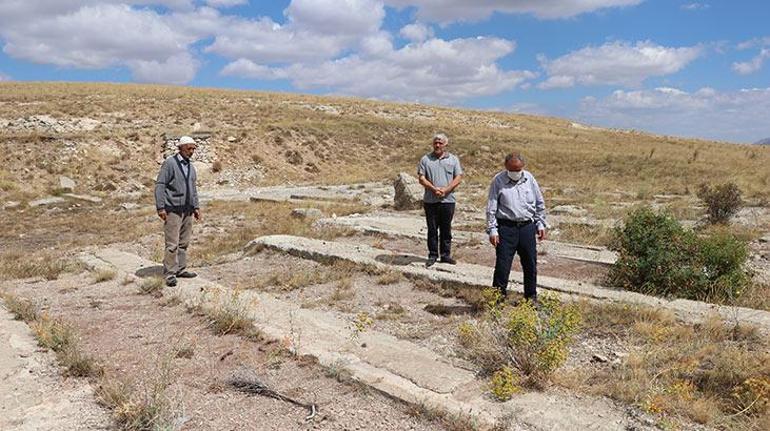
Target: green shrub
[[532, 341], [722, 201], [658, 256]]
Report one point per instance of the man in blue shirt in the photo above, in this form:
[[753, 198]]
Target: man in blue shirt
[[515, 217], [439, 173]]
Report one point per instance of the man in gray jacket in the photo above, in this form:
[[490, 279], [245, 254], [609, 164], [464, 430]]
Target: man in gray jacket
[[176, 199]]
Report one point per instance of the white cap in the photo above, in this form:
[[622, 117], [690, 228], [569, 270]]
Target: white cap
[[185, 140]]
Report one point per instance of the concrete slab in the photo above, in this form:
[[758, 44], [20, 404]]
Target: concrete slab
[[372, 194], [481, 276], [413, 226], [396, 367]]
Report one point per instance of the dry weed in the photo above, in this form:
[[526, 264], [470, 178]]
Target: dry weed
[[22, 309]]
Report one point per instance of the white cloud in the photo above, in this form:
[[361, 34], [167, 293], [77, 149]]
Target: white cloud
[[739, 116], [695, 6], [616, 63], [753, 65], [473, 10], [316, 30], [98, 36], [178, 69], [434, 71], [416, 32], [226, 3]]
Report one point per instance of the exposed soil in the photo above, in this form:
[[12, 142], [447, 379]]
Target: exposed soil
[[135, 336]]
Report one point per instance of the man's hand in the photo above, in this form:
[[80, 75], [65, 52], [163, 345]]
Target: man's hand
[[162, 214], [439, 191], [197, 214], [494, 240], [540, 234]]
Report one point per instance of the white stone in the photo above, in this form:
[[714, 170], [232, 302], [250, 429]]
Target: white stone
[[408, 192], [66, 184]]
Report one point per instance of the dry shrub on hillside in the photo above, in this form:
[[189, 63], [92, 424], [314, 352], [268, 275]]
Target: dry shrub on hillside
[[15, 265], [722, 201]]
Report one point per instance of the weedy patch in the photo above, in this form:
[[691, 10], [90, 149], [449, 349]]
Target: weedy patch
[[62, 339], [103, 275], [530, 341], [141, 407], [715, 373], [390, 277], [22, 309], [152, 286], [230, 315], [15, 265]]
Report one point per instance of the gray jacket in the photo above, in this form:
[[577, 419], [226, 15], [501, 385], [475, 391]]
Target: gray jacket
[[173, 191]]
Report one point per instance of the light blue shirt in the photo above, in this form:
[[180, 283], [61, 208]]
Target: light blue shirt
[[517, 201], [185, 166]]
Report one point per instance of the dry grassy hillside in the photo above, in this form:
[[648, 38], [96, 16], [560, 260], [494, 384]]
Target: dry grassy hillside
[[294, 138]]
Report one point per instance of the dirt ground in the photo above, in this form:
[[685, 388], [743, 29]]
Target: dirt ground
[[137, 337]]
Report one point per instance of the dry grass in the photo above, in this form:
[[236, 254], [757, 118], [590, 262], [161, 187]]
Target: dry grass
[[16, 264], [152, 286], [103, 275], [716, 373], [390, 277], [255, 219], [22, 309], [62, 339], [339, 272], [229, 314], [147, 406]]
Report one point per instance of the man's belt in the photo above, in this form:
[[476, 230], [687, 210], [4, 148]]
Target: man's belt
[[514, 223]]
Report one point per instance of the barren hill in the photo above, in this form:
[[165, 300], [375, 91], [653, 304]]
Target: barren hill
[[107, 137]]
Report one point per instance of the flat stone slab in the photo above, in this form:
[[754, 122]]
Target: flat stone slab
[[481, 276], [372, 194], [413, 226], [87, 198], [396, 367], [50, 200]]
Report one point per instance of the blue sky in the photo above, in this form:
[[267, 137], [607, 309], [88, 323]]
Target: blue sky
[[676, 67]]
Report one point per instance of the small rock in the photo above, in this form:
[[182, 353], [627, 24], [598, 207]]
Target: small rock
[[599, 358], [231, 139], [11, 205], [304, 213], [66, 184], [128, 206], [485, 148], [765, 238]]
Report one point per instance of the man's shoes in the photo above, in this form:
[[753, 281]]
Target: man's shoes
[[186, 274], [501, 298], [430, 262], [448, 260], [171, 281], [533, 300]]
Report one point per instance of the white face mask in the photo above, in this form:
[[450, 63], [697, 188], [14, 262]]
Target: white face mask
[[515, 175]]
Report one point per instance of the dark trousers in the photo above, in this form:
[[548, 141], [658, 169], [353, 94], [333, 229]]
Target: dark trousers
[[439, 217], [514, 239]]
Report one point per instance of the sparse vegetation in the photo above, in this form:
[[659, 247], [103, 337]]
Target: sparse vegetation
[[722, 201], [104, 275], [21, 308], [229, 315], [141, 408], [152, 286], [531, 340], [61, 338], [715, 373], [658, 256], [20, 265]]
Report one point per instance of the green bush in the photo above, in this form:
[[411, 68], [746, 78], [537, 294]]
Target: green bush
[[656, 255], [722, 201]]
